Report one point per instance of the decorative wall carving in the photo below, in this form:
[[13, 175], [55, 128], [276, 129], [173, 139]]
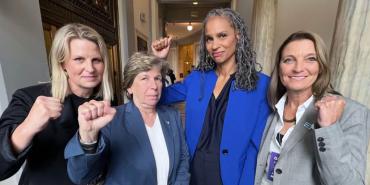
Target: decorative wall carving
[[99, 14]]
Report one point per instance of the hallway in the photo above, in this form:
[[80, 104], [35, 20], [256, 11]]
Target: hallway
[[28, 26]]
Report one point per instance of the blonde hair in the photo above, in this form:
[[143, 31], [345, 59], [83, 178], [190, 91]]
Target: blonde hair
[[59, 52], [141, 62], [322, 84]]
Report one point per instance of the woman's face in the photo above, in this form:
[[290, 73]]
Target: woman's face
[[221, 39], [84, 67], [299, 66], [146, 88]]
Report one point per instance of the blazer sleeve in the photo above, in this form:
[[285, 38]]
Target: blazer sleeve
[[176, 92], [264, 111], [13, 115], [84, 168], [253, 148], [182, 175], [341, 149]]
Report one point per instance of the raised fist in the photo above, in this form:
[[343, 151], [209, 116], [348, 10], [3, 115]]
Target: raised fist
[[92, 116]]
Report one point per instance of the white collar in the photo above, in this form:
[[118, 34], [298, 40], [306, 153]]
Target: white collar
[[301, 108]]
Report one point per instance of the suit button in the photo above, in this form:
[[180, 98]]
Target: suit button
[[321, 144], [279, 171], [225, 151], [320, 139], [322, 149]]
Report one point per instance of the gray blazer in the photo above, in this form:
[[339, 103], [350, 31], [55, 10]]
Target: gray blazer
[[331, 155], [124, 150]]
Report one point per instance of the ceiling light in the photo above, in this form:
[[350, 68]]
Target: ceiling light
[[195, 2], [189, 27]]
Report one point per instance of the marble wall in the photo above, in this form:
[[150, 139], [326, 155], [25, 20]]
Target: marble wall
[[350, 51], [263, 32]]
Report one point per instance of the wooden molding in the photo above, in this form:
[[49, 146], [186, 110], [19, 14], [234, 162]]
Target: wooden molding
[[99, 14]]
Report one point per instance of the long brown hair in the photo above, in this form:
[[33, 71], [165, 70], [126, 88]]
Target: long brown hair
[[320, 86]]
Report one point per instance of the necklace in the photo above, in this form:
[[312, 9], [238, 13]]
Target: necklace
[[289, 120]]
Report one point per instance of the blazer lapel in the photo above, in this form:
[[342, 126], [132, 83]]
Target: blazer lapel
[[304, 125], [168, 135], [136, 127], [266, 138]]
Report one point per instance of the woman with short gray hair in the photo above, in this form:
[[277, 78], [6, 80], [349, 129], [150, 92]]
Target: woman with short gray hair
[[137, 143]]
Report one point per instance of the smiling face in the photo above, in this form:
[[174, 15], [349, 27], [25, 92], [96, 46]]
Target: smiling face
[[146, 88], [221, 39], [299, 66], [84, 67]]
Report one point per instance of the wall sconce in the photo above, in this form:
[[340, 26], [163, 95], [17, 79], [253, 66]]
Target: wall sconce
[[142, 17], [189, 27]]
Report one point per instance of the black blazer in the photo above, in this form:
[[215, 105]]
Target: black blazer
[[45, 161]]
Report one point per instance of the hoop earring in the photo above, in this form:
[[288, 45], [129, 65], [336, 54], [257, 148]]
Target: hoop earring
[[128, 94]]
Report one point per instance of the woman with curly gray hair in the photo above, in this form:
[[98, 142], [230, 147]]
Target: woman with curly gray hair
[[226, 104]]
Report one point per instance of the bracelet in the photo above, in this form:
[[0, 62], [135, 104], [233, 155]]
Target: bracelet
[[88, 143], [88, 147]]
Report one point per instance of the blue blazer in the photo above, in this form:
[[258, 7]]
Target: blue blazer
[[124, 150], [245, 119]]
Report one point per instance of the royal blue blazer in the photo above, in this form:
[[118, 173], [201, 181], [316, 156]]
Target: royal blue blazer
[[124, 150], [244, 122]]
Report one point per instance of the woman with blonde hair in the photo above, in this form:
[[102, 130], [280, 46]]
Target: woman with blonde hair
[[139, 142], [40, 119]]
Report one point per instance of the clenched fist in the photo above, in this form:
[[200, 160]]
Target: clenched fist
[[161, 47], [330, 109], [43, 109], [92, 116]]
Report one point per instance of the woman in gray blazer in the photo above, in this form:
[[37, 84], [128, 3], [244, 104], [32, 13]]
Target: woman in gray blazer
[[136, 143], [314, 136]]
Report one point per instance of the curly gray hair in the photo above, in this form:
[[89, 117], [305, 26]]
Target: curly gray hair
[[246, 74]]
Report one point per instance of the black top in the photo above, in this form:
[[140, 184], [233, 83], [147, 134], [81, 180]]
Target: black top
[[45, 159], [205, 166], [279, 138]]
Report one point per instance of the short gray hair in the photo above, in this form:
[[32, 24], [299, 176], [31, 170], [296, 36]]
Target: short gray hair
[[141, 62]]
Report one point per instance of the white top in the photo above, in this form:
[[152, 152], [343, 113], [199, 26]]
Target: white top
[[160, 151], [275, 147], [168, 81]]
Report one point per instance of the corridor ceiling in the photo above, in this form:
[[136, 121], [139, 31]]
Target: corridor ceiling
[[176, 14], [185, 11]]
